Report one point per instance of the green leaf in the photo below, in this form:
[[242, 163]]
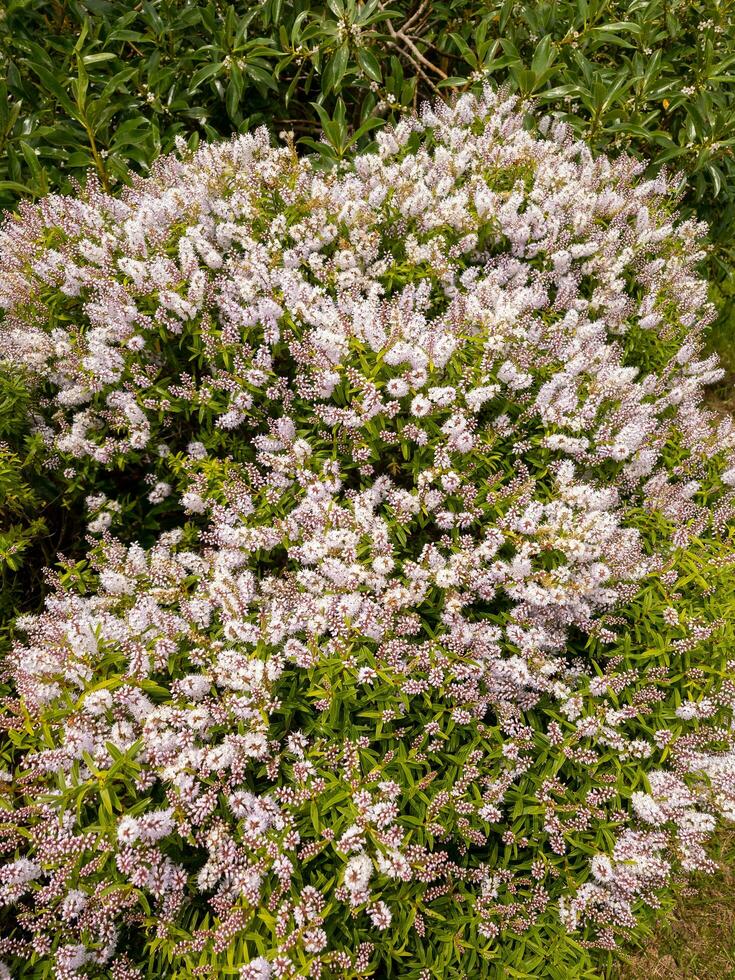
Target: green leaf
[[369, 64], [335, 69], [203, 73], [54, 88]]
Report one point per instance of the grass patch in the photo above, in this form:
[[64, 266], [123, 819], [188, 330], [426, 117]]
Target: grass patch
[[696, 940]]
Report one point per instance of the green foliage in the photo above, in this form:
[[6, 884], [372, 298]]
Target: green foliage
[[22, 490]]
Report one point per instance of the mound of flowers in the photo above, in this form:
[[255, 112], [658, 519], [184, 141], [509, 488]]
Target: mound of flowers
[[404, 649]]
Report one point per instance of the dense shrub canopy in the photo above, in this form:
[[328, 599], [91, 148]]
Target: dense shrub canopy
[[415, 665]]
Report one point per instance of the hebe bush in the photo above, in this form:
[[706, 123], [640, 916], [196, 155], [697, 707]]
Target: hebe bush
[[108, 86], [421, 667]]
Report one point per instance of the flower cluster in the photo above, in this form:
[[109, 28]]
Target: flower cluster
[[435, 607]]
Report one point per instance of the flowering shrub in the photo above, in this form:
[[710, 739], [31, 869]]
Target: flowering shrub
[[414, 659]]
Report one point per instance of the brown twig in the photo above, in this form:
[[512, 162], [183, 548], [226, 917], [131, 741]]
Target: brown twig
[[406, 46], [415, 15]]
